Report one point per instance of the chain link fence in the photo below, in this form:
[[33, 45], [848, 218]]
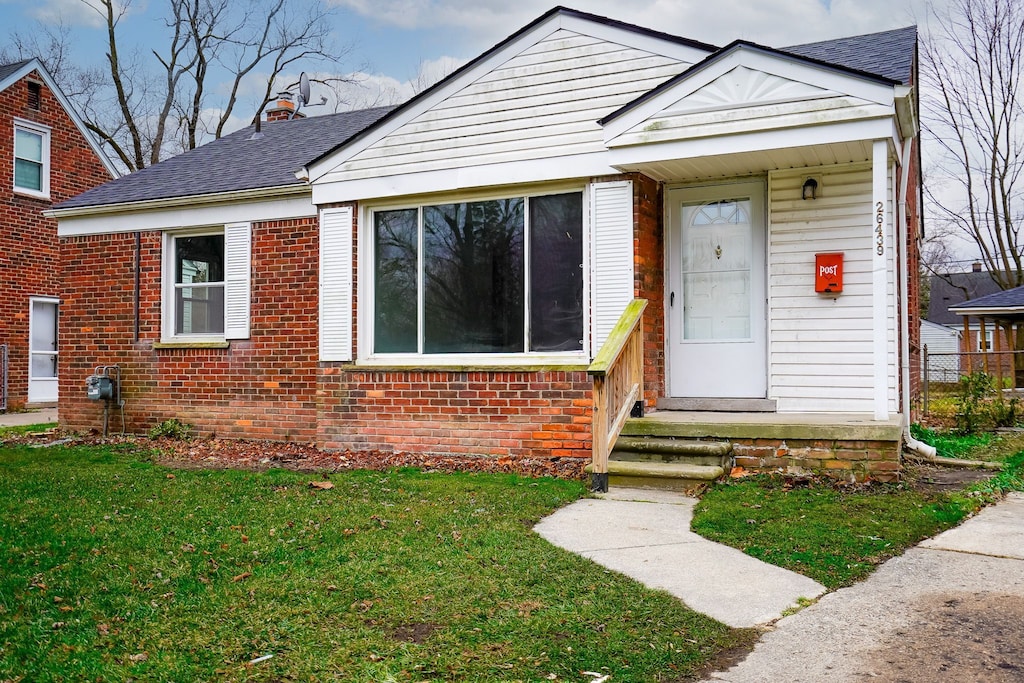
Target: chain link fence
[[941, 373]]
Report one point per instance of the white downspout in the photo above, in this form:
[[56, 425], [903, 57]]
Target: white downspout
[[909, 441]]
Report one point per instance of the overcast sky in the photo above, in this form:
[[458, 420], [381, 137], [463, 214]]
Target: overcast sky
[[392, 39]]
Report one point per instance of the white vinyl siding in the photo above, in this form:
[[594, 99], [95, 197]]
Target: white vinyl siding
[[820, 348], [611, 278], [237, 279], [336, 284], [542, 103]]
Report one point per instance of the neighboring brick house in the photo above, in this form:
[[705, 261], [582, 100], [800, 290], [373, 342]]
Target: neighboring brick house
[[438, 277], [952, 289], [46, 157]]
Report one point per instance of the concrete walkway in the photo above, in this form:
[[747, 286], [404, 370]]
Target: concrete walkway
[[951, 609], [646, 535], [31, 417]]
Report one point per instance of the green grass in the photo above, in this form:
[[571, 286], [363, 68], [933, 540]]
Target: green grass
[[25, 429], [114, 569], [833, 536], [951, 444]]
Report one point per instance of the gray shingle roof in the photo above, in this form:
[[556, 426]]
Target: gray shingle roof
[[8, 69], [948, 291], [235, 162], [1006, 298], [889, 54]]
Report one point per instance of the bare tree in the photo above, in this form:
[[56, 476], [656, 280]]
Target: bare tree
[[145, 104], [973, 63]]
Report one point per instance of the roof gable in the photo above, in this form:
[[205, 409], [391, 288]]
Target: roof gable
[[12, 73], [565, 55], [760, 87]]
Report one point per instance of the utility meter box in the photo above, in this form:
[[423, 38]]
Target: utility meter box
[[99, 387]]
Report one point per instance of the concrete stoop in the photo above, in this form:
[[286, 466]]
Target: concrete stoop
[[667, 463]]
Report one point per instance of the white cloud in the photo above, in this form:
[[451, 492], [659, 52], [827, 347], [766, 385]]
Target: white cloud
[[775, 23], [74, 12]]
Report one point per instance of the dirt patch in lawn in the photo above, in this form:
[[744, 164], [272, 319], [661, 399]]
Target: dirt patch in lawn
[[933, 478], [958, 636]]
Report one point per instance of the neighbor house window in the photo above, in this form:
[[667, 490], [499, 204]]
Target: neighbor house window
[[197, 304], [501, 276], [31, 159]]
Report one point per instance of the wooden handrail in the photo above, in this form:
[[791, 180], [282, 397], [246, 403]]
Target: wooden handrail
[[618, 376]]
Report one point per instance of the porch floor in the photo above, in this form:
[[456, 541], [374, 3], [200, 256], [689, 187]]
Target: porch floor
[[805, 426]]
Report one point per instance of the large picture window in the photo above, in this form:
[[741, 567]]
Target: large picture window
[[502, 276]]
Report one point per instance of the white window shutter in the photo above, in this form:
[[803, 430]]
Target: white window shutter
[[336, 284], [237, 279], [611, 277]]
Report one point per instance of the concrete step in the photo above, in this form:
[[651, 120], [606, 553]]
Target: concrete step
[[654, 449], [659, 475]]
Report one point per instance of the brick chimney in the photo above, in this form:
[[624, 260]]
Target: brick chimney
[[283, 108], [976, 267]]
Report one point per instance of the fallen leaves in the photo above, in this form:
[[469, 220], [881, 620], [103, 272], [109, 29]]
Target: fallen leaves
[[321, 485], [241, 577]]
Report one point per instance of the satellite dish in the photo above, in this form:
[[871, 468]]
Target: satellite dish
[[303, 89]]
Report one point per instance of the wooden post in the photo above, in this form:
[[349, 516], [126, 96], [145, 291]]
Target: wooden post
[[599, 435], [998, 350], [967, 344], [983, 344]]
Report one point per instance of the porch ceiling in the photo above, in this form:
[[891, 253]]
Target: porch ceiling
[[750, 163]]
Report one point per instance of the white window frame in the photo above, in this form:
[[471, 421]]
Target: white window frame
[[44, 133], [365, 267], [169, 279]]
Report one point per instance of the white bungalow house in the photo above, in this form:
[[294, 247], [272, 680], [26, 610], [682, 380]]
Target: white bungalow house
[[587, 216]]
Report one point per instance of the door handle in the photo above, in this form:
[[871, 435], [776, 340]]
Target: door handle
[[672, 299]]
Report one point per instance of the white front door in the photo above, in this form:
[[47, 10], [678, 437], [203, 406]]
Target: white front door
[[42, 366], [716, 291]]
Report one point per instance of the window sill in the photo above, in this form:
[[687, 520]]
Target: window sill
[[506, 364], [32, 194], [192, 345]]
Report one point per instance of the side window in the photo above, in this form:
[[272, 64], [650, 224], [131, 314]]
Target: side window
[[206, 284], [31, 159], [199, 285]]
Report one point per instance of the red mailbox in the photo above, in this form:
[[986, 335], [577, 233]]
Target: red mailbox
[[828, 273]]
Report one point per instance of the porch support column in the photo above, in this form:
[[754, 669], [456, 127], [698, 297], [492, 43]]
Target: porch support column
[[880, 221]]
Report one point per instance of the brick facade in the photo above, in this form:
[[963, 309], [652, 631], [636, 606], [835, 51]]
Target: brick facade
[[29, 258], [262, 387], [847, 460]]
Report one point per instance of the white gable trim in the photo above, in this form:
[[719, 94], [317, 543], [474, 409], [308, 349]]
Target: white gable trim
[[557, 21], [628, 158], [790, 68], [65, 103]]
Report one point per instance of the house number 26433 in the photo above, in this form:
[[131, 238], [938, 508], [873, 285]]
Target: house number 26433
[[880, 228]]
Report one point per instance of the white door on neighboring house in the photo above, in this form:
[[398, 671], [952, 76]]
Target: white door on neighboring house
[[716, 291], [42, 368]]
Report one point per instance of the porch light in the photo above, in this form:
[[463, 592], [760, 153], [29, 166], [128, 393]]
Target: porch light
[[810, 188]]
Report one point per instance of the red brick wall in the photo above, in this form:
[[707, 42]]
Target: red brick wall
[[541, 414], [28, 241], [262, 387], [649, 280]]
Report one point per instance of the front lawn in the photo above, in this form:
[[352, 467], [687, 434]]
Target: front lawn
[[113, 568], [831, 533]]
